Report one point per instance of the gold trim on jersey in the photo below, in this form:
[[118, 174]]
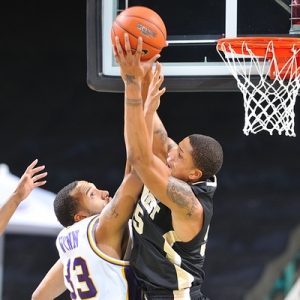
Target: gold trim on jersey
[[127, 287], [90, 235], [171, 237], [182, 294], [184, 278]]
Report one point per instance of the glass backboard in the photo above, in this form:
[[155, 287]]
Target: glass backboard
[[191, 62]]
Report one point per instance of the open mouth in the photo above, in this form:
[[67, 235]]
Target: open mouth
[[167, 163]]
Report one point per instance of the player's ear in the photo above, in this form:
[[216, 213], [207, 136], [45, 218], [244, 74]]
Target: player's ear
[[79, 216], [195, 175]]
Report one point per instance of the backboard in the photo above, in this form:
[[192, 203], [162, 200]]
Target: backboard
[[191, 62]]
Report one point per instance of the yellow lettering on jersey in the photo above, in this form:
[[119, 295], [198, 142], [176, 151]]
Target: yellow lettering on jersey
[[137, 221], [155, 210], [149, 203]]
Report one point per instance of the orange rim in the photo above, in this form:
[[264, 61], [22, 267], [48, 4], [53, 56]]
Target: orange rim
[[258, 45]]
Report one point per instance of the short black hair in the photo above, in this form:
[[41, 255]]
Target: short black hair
[[65, 205], [207, 154]]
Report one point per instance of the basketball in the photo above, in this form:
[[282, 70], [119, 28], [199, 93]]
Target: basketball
[[140, 21]]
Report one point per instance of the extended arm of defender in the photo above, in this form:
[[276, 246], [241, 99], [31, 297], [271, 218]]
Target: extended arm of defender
[[151, 93]]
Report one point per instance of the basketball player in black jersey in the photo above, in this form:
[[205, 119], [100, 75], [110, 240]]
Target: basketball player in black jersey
[[172, 218]]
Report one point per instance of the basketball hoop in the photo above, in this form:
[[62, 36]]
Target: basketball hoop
[[267, 71]]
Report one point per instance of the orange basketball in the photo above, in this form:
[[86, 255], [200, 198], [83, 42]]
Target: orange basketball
[[140, 21]]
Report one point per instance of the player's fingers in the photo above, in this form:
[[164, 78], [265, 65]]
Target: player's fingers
[[114, 50], [139, 48], [157, 80], [39, 183], [160, 80], [37, 169], [115, 53], [31, 166], [127, 44], [39, 176], [119, 50], [158, 68], [157, 90], [154, 58], [161, 92]]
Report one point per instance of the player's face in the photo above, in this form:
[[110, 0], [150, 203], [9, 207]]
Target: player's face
[[180, 160], [92, 200]]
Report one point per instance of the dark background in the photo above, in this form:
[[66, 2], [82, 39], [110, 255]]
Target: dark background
[[48, 112]]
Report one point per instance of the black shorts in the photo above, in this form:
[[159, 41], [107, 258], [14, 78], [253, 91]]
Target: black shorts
[[159, 294]]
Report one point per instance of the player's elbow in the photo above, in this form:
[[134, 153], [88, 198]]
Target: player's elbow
[[34, 296], [39, 295], [137, 160], [133, 159]]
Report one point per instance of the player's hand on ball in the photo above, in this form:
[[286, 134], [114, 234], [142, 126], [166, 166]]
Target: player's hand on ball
[[130, 64]]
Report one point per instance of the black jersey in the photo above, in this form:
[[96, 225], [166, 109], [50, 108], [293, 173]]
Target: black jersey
[[159, 259]]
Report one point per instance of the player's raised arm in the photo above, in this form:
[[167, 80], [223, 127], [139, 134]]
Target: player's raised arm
[[114, 218], [161, 143], [151, 170], [29, 180], [173, 192]]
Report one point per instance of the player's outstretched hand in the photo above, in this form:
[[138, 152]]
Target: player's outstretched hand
[[30, 180], [130, 64]]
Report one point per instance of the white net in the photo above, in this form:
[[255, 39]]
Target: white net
[[269, 103]]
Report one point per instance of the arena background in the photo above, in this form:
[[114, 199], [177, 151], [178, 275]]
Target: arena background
[[48, 112]]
